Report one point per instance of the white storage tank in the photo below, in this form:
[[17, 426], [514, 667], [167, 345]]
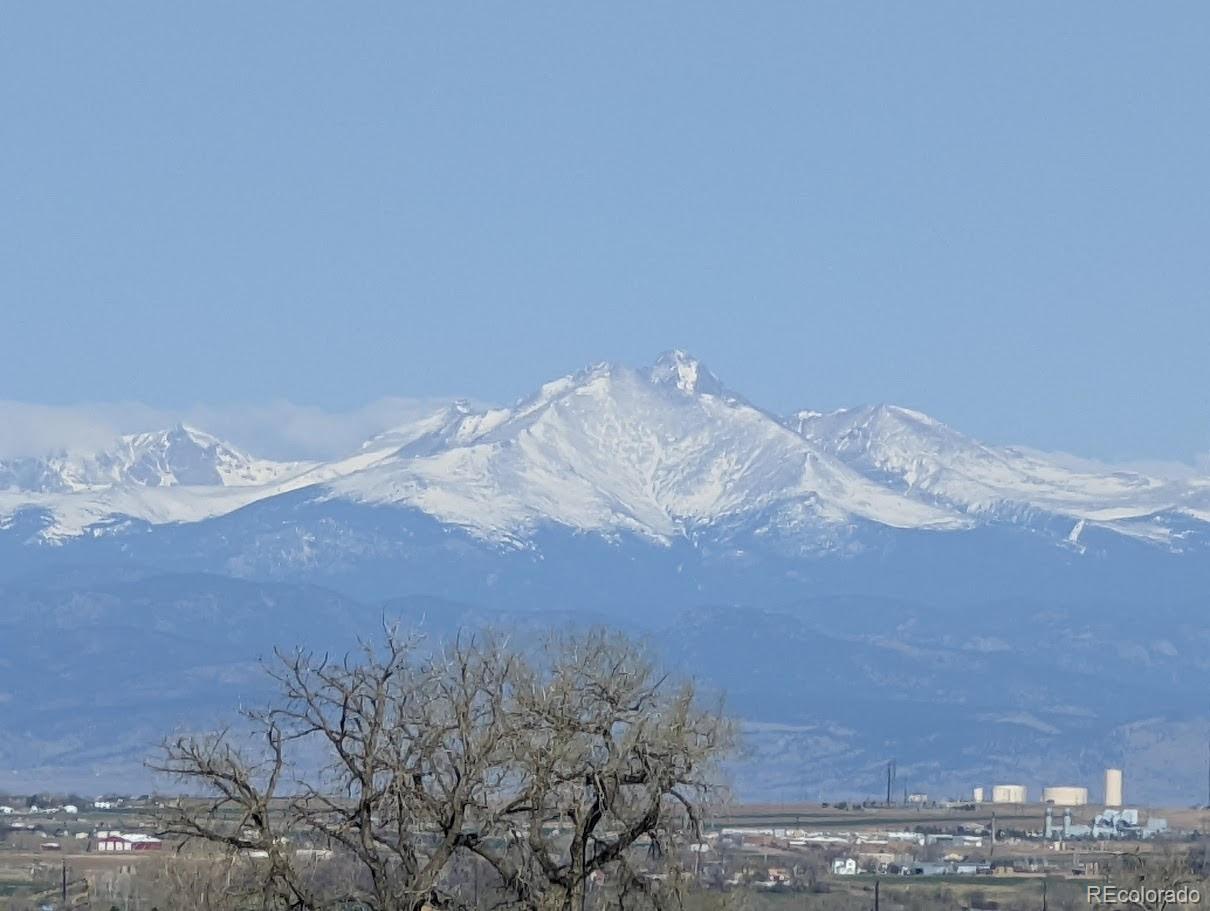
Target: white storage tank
[[1065, 796], [1113, 787], [978, 795], [1008, 793]]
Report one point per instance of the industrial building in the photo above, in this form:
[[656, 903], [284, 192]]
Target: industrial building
[[1009, 793], [1057, 795], [1108, 824], [1065, 796]]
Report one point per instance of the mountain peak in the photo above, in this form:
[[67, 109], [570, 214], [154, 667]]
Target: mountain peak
[[178, 455], [899, 412], [866, 419], [181, 433], [679, 369], [189, 430]]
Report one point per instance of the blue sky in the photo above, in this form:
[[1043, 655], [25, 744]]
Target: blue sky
[[999, 214]]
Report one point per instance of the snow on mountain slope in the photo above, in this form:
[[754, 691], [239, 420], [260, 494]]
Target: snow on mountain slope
[[176, 475], [925, 459], [615, 449], [456, 423], [662, 453], [168, 458]]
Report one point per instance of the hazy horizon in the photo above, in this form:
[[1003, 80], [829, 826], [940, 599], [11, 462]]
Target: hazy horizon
[[283, 429]]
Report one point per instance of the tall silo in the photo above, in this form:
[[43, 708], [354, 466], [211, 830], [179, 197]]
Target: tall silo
[[1113, 787]]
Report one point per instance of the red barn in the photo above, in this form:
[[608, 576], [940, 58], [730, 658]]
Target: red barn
[[119, 841]]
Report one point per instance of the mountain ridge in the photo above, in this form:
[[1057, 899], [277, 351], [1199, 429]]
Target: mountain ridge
[[957, 700], [663, 452], [861, 583]]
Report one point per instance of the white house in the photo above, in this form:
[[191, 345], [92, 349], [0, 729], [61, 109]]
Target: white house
[[70, 809], [844, 866], [7, 811]]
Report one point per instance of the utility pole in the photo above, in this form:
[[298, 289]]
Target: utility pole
[[64, 888], [877, 883], [1043, 892]]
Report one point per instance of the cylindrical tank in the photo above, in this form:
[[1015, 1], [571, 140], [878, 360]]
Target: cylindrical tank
[[1065, 796], [1008, 793], [978, 795], [1113, 787]]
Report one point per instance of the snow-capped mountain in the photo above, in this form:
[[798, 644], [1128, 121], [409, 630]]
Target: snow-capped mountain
[[612, 449], [868, 576], [178, 456], [177, 475], [665, 453], [922, 458]]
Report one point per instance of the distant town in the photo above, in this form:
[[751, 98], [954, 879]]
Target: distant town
[[1003, 847]]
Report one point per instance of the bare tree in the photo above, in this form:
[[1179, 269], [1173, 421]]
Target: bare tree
[[205, 881], [238, 811], [607, 758], [406, 744], [406, 768], [1157, 877]]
